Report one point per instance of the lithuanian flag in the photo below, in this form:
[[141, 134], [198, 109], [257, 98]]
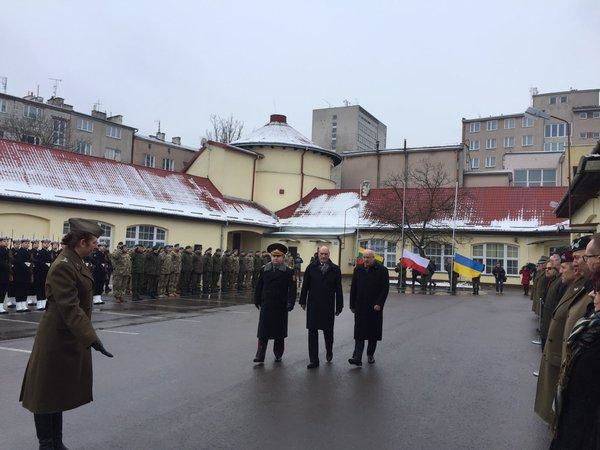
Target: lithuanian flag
[[467, 267], [361, 254]]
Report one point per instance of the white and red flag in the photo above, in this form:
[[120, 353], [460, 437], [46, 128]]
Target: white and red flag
[[413, 261]]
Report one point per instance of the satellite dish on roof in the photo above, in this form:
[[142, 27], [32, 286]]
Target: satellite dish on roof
[[203, 141], [554, 205]]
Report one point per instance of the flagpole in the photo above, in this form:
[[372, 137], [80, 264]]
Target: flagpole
[[403, 212], [454, 232]]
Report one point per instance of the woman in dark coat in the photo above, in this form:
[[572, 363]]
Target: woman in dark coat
[[368, 293], [58, 376], [275, 296]]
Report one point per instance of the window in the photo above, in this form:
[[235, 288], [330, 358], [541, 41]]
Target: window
[[112, 153], [563, 99], [113, 132], [527, 140], [474, 127], [555, 130], [490, 161], [168, 164], [552, 100], [554, 146], [334, 117], [527, 121], [438, 253], [149, 160], [583, 135], [85, 125], [30, 139], [385, 249], [475, 163], [492, 125], [490, 143], [32, 112], [583, 115], [509, 142], [474, 145], [333, 144], [509, 124], [83, 148], [596, 135], [105, 238], [2, 105], [595, 114], [491, 254], [59, 132], [535, 177], [146, 235]]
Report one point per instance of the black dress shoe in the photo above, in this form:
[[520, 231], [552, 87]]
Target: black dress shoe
[[371, 360], [278, 359], [258, 360], [329, 356], [312, 365], [355, 362]]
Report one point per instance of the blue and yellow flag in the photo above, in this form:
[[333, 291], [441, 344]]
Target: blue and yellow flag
[[467, 267]]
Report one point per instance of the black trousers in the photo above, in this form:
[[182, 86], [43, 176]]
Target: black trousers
[[278, 348], [39, 284], [499, 285], [3, 290], [359, 346], [48, 428], [313, 343]]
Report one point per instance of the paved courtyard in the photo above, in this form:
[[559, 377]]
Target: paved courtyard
[[451, 372]]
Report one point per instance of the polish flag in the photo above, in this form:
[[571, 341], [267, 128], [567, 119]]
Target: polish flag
[[413, 261]]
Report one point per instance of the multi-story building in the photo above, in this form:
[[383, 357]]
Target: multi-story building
[[491, 139], [55, 123], [348, 129], [155, 151]]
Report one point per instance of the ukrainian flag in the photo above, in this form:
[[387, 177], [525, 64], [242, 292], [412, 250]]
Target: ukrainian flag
[[361, 253], [467, 267]]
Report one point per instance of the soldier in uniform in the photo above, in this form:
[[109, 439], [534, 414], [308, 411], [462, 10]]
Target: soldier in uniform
[[275, 296], [137, 273], [197, 270], [98, 261], [538, 279], [185, 281], [234, 270], [226, 268], [151, 271], [207, 271], [554, 291], [166, 266], [241, 275], [121, 264], [257, 264], [33, 251], [12, 251], [54, 250], [58, 376], [22, 273], [5, 274], [217, 266], [41, 263], [175, 271]]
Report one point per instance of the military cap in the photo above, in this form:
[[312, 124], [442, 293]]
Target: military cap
[[543, 259], [209, 249], [34, 241], [277, 249], [168, 246], [24, 240], [566, 256], [188, 246], [45, 240], [176, 246], [85, 225], [581, 243], [218, 250]]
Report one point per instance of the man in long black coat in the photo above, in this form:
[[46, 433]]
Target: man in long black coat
[[22, 275], [369, 290], [42, 259], [322, 298], [275, 296], [5, 271]]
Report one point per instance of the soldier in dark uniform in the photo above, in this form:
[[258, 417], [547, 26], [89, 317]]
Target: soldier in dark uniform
[[98, 269], [58, 376], [197, 269], [22, 275], [256, 266], [217, 266], [54, 250], [4, 272], [207, 271], [12, 251], [151, 271], [275, 296], [185, 281], [42, 259], [33, 251]]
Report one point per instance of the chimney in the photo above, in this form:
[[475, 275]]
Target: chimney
[[279, 118], [116, 119], [365, 188], [176, 140], [34, 98], [99, 114], [160, 136], [56, 101]]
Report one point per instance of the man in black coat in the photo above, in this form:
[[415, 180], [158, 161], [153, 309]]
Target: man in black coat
[[369, 290], [22, 275], [4, 271], [98, 269], [275, 296], [322, 299], [42, 259]]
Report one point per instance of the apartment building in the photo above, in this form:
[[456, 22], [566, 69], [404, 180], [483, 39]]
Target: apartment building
[[491, 139], [55, 123], [348, 129], [155, 151]]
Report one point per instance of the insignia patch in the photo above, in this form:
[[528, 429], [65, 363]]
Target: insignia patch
[[64, 259]]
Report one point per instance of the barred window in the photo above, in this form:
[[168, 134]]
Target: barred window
[[146, 235], [491, 254], [383, 248]]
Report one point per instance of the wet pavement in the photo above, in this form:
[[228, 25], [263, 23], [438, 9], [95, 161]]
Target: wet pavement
[[451, 372]]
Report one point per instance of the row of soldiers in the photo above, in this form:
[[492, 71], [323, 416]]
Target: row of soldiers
[[24, 266]]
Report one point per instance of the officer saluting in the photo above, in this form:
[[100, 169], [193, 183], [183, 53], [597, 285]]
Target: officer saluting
[[58, 376], [275, 296]]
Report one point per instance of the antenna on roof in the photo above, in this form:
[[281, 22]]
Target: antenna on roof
[[328, 104], [55, 85], [3, 83], [158, 122], [346, 102], [97, 105]]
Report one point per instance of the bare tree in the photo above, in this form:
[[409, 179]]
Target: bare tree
[[41, 130], [224, 129], [429, 205]]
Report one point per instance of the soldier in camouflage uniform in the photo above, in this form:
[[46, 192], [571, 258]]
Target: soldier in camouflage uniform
[[185, 281], [128, 269], [121, 269], [216, 270], [151, 271], [241, 275], [137, 273], [197, 269], [249, 269], [175, 271], [226, 267], [257, 264], [235, 268], [207, 271], [165, 267]]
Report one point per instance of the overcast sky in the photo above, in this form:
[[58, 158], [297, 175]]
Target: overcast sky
[[419, 66]]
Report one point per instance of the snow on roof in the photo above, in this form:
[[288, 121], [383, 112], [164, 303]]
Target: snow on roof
[[44, 174], [167, 143], [501, 209], [278, 133]]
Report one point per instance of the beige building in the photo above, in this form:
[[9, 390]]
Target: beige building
[[57, 124], [156, 152]]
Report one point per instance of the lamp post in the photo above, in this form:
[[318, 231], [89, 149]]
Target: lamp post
[[536, 112], [356, 205]]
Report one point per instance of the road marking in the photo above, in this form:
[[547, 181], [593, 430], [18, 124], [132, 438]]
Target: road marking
[[18, 320], [120, 332], [188, 320], [189, 308], [15, 350], [119, 314]]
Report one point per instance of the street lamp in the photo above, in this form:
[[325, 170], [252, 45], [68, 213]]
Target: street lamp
[[536, 112], [356, 205]]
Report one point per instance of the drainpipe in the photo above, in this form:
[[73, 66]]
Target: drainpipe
[[378, 164], [253, 179], [339, 251], [302, 175]]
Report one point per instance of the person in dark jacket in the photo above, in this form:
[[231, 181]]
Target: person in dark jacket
[[5, 272], [98, 268], [322, 298], [275, 296], [22, 275], [42, 259], [368, 293], [500, 278]]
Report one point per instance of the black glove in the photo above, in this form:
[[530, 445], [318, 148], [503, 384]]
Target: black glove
[[97, 345], [338, 311], [290, 307], [257, 306]]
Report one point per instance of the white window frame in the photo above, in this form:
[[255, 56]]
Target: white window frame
[[583, 115], [2, 105], [113, 153], [527, 122], [525, 141], [491, 125], [389, 256], [583, 135], [491, 143], [509, 123], [168, 164], [509, 141], [528, 182], [149, 160], [595, 134], [32, 112], [555, 130], [85, 125], [595, 114], [83, 148], [486, 257], [474, 127], [474, 145], [474, 163], [565, 98], [438, 253], [490, 161], [554, 146], [113, 132], [136, 234], [59, 133]]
